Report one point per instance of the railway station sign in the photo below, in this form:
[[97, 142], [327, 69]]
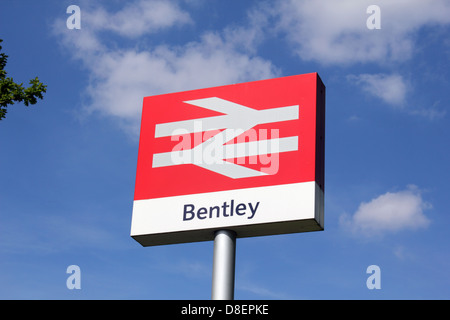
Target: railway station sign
[[246, 157]]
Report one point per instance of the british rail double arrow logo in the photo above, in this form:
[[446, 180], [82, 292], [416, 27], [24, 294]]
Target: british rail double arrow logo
[[217, 153]]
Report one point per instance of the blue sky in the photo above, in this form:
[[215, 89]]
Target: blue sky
[[68, 163]]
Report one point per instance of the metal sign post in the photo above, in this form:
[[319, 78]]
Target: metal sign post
[[223, 265]]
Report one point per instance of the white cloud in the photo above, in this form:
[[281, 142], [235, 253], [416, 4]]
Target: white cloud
[[261, 291], [120, 78], [187, 268], [431, 113], [138, 18], [391, 88], [389, 212], [336, 32]]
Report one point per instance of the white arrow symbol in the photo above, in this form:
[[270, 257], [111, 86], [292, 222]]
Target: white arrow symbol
[[236, 120]]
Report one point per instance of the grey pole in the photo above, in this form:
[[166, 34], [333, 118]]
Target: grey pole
[[223, 265]]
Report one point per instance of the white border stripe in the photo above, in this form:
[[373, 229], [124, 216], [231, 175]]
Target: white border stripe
[[290, 202]]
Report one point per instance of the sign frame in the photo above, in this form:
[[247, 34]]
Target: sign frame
[[162, 214]]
